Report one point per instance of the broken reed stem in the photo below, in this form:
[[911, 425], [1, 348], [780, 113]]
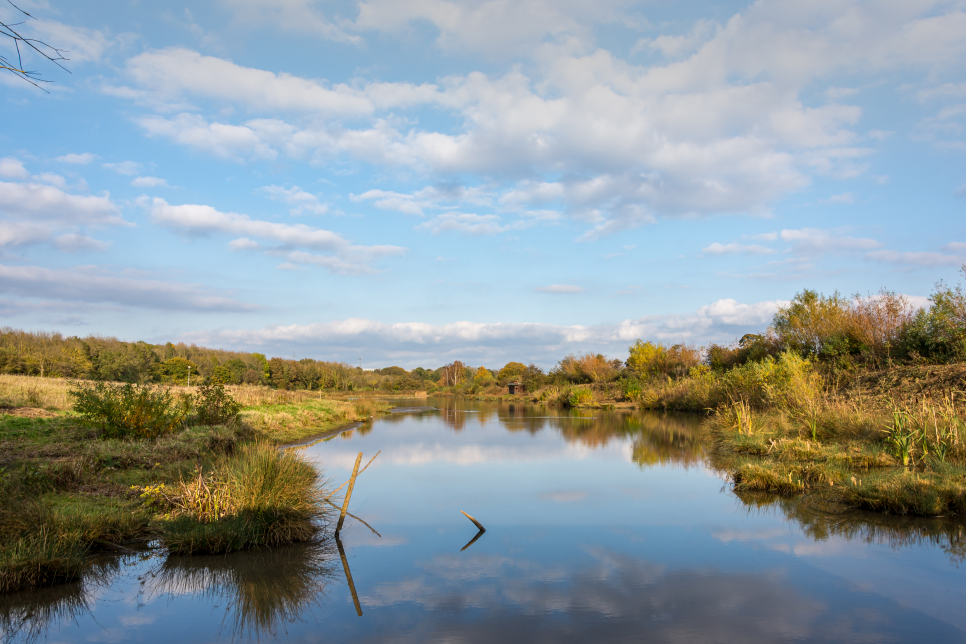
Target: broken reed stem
[[478, 524], [348, 494]]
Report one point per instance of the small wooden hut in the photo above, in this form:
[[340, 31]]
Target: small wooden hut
[[515, 388]]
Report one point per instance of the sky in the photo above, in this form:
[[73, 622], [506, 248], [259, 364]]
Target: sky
[[414, 182]]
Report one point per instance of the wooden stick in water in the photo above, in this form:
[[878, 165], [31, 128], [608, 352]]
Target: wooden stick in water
[[348, 575], [370, 462], [348, 494], [473, 540], [478, 524], [349, 514]]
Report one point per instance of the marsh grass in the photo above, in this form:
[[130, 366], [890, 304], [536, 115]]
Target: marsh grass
[[43, 544], [258, 496], [876, 455], [30, 391]]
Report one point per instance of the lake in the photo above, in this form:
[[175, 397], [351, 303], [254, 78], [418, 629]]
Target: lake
[[601, 526]]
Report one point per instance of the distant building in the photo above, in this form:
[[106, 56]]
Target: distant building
[[515, 387]]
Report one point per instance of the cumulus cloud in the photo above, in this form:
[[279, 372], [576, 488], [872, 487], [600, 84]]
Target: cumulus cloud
[[11, 168], [724, 126], [300, 200], [416, 343], [344, 257], [81, 285]]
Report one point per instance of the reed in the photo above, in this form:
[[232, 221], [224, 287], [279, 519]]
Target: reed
[[258, 496]]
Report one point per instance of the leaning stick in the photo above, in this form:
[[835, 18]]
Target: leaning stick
[[349, 514], [348, 493], [478, 524], [370, 462]]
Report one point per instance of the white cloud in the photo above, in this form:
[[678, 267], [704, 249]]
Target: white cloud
[[729, 128], [559, 288], [294, 15], [80, 285], [76, 159], [844, 198], [718, 248], [200, 219], [956, 247], [915, 258], [416, 343], [34, 213], [149, 182], [300, 200], [75, 242], [129, 168], [815, 240], [467, 223], [13, 169], [243, 243]]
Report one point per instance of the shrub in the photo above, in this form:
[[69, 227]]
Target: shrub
[[588, 367], [215, 405], [786, 382], [650, 359], [579, 396], [129, 410]]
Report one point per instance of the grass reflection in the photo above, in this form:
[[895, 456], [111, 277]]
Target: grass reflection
[[821, 519], [29, 616], [262, 589]]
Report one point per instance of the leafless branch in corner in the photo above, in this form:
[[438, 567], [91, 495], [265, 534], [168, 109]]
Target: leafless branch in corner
[[51, 53]]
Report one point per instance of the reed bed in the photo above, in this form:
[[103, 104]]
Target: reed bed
[[258, 496]]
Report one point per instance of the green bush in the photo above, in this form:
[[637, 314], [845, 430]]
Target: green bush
[[786, 382], [215, 405], [579, 396], [122, 411]]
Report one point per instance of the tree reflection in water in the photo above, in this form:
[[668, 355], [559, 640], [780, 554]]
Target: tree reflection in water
[[261, 589]]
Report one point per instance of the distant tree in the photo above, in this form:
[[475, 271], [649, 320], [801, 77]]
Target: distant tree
[[221, 375], [483, 376], [511, 371]]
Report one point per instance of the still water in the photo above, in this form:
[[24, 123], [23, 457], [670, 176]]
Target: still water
[[600, 527]]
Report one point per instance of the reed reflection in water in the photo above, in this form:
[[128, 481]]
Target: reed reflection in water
[[34, 615], [262, 590]]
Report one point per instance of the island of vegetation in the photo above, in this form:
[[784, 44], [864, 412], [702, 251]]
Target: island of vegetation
[[108, 445]]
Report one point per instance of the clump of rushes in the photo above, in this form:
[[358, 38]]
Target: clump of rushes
[[130, 411], [258, 496]]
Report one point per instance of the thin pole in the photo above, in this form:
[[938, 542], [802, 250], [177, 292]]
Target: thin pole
[[348, 494]]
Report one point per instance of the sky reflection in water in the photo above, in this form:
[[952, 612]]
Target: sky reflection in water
[[601, 526]]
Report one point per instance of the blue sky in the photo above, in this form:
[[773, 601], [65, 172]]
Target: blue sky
[[416, 181]]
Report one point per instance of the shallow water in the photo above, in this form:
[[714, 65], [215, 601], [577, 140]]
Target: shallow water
[[600, 527]]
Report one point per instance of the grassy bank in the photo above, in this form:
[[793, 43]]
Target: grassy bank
[[73, 488]]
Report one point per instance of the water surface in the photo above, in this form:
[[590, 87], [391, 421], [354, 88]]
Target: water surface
[[600, 526]]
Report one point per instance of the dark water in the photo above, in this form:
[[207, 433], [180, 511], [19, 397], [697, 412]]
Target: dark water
[[601, 527]]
